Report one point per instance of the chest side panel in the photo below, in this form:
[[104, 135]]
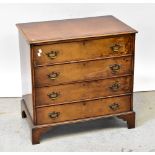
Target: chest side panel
[[26, 74]]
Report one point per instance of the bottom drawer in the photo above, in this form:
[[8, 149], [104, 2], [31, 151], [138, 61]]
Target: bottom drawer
[[80, 110]]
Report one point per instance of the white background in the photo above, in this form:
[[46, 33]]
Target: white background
[[139, 16]]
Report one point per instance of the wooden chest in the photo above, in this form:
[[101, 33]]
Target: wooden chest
[[76, 70]]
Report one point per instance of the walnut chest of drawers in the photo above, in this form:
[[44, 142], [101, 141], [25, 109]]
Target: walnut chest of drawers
[[76, 70]]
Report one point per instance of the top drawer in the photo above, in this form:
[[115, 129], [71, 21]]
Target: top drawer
[[83, 50]]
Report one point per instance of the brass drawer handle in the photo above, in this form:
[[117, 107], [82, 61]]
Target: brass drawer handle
[[53, 75], [53, 95], [54, 115], [115, 47], [115, 86], [115, 68], [114, 106], [52, 54]]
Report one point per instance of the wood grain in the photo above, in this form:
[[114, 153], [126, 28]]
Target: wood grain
[[83, 71], [57, 30], [83, 110], [84, 90], [83, 50], [38, 130]]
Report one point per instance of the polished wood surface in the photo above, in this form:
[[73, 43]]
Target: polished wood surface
[[83, 110], [82, 91], [130, 118], [38, 130], [83, 71], [26, 70], [36, 32], [76, 70], [83, 50]]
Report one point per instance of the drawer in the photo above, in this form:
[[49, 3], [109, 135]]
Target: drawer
[[83, 71], [83, 91], [80, 110], [88, 49]]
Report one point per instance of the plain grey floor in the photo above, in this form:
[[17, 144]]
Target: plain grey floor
[[108, 134]]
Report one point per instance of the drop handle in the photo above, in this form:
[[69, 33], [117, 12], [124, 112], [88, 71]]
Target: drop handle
[[114, 106], [54, 114], [53, 75], [115, 86], [115, 68], [52, 54], [53, 95], [115, 47]]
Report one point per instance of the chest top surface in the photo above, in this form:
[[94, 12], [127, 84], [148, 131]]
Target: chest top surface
[[37, 32]]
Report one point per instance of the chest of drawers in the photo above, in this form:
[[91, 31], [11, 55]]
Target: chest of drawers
[[76, 70]]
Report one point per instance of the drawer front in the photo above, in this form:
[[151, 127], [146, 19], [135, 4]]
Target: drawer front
[[80, 110], [83, 71], [83, 91], [75, 51]]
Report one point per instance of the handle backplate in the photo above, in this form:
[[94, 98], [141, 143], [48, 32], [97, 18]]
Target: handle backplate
[[52, 54], [53, 95], [115, 68], [53, 75], [114, 106], [54, 114], [115, 86], [115, 47]]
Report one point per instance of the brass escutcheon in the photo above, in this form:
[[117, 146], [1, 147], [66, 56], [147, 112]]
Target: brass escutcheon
[[114, 106], [115, 68], [53, 75], [52, 54], [54, 114], [115, 47], [53, 95], [115, 86]]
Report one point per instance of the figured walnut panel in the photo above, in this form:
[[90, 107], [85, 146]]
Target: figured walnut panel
[[84, 90], [83, 50], [83, 71], [56, 30], [68, 112]]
